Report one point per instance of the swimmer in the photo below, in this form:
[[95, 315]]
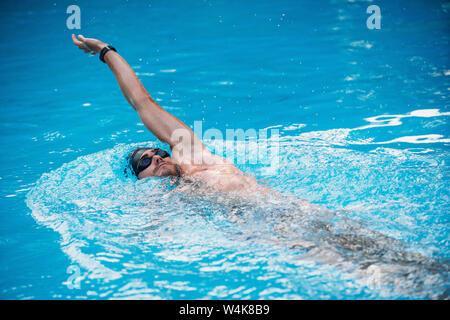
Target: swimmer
[[375, 256], [190, 158]]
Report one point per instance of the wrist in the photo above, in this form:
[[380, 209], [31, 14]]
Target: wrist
[[105, 51], [100, 47]]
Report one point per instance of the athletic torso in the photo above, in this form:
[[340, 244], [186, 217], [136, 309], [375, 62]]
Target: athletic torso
[[220, 175]]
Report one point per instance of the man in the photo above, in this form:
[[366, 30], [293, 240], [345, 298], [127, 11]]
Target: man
[[190, 158]]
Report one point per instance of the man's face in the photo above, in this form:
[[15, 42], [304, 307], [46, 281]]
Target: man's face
[[159, 167]]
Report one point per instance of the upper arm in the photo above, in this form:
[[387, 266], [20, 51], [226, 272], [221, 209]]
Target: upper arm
[[185, 145], [162, 124]]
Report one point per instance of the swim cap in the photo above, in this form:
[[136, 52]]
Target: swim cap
[[133, 158]]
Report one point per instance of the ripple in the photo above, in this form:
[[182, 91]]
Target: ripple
[[346, 136], [427, 138], [115, 228], [168, 70]]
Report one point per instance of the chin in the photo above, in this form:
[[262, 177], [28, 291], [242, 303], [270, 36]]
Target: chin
[[166, 172]]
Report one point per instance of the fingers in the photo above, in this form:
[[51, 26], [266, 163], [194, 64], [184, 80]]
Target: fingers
[[80, 41], [80, 44], [75, 40]]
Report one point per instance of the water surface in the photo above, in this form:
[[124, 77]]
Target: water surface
[[364, 135]]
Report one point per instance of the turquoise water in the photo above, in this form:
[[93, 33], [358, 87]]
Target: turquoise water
[[363, 122]]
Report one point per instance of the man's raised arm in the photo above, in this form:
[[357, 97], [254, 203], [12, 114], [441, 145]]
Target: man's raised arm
[[161, 123]]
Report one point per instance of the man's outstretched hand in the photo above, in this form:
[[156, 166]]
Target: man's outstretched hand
[[88, 45]]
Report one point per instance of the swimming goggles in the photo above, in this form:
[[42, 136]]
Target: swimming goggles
[[140, 164], [146, 161]]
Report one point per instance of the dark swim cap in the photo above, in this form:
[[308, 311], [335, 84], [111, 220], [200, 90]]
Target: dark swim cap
[[133, 158], [135, 155]]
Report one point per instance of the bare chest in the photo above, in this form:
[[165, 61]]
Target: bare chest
[[222, 178]]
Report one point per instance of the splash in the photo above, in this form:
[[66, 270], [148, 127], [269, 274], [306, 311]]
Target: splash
[[379, 236]]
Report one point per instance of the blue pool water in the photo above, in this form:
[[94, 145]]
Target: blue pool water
[[363, 122]]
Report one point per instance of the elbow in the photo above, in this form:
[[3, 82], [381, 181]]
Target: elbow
[[140, 100]]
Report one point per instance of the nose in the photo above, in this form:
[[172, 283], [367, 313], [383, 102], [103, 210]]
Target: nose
[[157, 159]]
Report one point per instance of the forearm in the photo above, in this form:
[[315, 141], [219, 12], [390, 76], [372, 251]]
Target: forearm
[[162, 124], [131, 86], [156, 119]]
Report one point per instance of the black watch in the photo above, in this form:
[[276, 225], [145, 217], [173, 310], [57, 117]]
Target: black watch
[[104, 51]]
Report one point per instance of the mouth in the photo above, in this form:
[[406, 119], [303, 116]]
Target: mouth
[[162, 164]]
